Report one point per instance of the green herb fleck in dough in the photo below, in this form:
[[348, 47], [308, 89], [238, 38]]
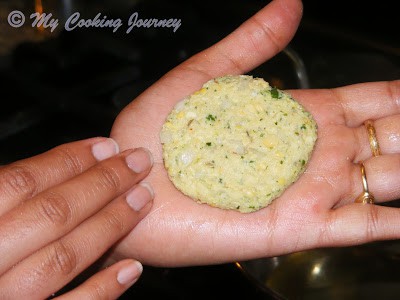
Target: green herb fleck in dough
[[211, 118], [274, 93]]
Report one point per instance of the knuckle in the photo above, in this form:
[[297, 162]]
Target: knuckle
[[54, 209], [19, 180], [372, 222], [62, 259], [114, 221], [326, 229], [109, 178], [70, 160], [268, 34], [97, 291]]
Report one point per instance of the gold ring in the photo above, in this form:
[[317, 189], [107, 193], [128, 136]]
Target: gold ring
[[373, 141], [365, 197]]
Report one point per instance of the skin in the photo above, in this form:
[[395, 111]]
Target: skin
[[316, 211], [61, 211]]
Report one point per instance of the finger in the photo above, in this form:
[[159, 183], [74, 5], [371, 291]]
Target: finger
[[256, 40], [361, 102], [383, 178], [56, 211], [53, 266], [387, 134], [359, 223], [26, 178], [259, 38], [109, 283]]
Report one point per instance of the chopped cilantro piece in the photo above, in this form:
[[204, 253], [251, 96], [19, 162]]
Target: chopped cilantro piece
[[208, 143], [274, 93], [211, 118]]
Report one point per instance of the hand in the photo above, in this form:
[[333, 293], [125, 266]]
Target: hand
[[316, 211], [62, 210]]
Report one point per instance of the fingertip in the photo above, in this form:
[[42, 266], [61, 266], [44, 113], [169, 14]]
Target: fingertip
[[150, 155], [149, 188], [283, 12], [129, 273], [105, 149], [140, 160], [140, 196], [114, 281]]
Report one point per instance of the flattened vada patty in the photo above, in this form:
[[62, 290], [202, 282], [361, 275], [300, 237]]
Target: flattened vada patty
[[237, 143]]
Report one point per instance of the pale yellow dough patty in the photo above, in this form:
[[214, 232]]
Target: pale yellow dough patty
[[237, 143]]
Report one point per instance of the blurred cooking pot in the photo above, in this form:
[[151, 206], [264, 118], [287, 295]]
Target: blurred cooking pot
[[370, 271]]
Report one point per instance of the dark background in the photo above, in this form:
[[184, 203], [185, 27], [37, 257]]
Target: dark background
[[64, 86]]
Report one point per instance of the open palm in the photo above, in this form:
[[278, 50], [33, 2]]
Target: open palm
[[317, 210]]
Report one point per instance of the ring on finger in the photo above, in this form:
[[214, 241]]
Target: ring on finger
[[365, 197], [373, 141]]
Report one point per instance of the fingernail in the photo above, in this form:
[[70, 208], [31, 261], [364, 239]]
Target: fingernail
[[140, 195], [105, 149], [130, 273], [139, 160]]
